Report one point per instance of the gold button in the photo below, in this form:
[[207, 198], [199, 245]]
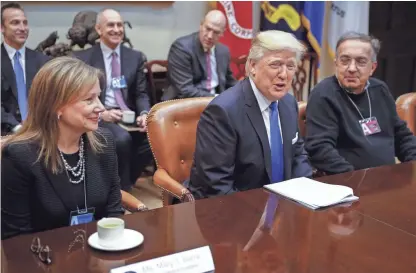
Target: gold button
[[182, 161]]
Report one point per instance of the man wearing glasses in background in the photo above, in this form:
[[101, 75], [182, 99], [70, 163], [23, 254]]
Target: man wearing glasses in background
[[351, 119], [199, 66]]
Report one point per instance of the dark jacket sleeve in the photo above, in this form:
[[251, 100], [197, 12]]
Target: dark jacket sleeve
[[141, 92], [114, 207], [230, 81], [8, 119], [300, 164], [214, 158], [15, 195], [322, 134], [180, 73]]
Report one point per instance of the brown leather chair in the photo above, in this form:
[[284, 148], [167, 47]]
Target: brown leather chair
[[157, 79], [171, 130], [406, 109], [240, 63], [130, 203], [302, 118]]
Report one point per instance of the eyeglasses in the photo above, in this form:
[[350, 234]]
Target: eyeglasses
[[43, 252], [359, 62]]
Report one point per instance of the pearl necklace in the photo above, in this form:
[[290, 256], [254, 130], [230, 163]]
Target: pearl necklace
[[79, 170]]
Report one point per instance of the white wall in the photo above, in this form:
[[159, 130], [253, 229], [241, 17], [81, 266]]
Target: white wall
[[154, 29]]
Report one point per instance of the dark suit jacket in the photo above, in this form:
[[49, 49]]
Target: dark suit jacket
[[187, 69], [34, 199], [10, 114], [132, 63], [232, 149]]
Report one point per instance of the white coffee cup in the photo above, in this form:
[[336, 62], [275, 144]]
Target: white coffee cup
[[110, 231], [128, 116]]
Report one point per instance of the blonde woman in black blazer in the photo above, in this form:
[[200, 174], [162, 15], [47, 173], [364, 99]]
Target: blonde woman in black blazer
[[59, 165]]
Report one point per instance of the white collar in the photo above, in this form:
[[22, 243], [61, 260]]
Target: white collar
[[12, 51], [108, 51], [263, 102]]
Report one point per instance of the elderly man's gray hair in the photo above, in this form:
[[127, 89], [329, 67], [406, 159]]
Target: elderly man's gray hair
[[273, 40], [352, 35]]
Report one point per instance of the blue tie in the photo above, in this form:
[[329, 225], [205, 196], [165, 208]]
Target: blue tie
[[276, 145], [21, 86]]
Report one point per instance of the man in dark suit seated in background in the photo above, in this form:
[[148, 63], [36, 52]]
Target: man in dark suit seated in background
[[125, 88], [198, 65], [19, 65], [248, 136]]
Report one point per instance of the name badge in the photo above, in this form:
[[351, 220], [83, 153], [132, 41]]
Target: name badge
[[197, 260], [118, 82], [370, 126], [84, 216]]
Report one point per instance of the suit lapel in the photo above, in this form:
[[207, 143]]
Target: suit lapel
[[125, 63], [287, 142], [256, 119], [30, 67], [7, 70], [201, 54], [91, 171], [219, 68], [97, 61]]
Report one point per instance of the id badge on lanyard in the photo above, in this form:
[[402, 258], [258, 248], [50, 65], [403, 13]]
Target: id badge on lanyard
[[370, 126], [118, 82], [82, 216]]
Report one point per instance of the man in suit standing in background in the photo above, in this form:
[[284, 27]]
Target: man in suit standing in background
[[125, 88], [248, 136], [19, 65], [198, 65]]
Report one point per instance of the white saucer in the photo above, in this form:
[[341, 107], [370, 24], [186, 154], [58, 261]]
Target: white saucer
[[131, 239]]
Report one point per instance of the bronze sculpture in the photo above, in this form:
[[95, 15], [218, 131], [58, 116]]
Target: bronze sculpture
[[81, 33], [83, 30]]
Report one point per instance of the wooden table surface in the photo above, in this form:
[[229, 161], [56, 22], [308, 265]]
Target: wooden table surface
[[376, 234]]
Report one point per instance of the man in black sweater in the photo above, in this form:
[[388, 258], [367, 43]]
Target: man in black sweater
[[351, 119]]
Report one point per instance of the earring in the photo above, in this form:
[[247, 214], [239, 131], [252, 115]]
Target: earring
[[59, 116]]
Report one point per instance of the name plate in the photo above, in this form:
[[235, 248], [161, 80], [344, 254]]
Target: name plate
[[197, 260]]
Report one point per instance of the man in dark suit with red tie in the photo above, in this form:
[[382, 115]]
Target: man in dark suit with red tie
[[248, 136], [19, 65], [124, 88], [198, 65]]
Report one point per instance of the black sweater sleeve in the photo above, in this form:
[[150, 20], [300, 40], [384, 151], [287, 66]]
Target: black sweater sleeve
[[322, 134]]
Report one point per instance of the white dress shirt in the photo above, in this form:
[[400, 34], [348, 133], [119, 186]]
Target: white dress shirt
[[214, 75], [264, 104], [11, 52], [110, 99]]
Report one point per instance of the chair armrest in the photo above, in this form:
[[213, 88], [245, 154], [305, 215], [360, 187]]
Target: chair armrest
[[163, 180], [131, 203]]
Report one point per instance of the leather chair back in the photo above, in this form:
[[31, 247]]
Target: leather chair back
[[302, 118], [406, 109], [171, 130]]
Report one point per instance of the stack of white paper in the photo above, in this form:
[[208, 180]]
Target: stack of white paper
[[312, 193]]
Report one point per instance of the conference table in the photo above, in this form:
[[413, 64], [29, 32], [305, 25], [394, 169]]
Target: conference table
[[375, 234]]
